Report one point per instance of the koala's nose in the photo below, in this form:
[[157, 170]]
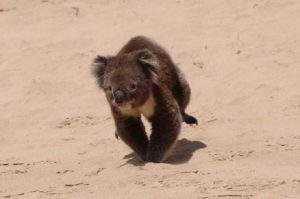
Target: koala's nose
[[119, 96]]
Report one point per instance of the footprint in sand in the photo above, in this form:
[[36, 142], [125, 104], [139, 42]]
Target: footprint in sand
[[95, 172], [283, 143], [230, 155], [65, 171], [80, 121], [18, 168]]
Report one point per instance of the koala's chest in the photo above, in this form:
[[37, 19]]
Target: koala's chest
[[148, 108]]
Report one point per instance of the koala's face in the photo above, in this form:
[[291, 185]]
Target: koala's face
[[125, 85], [126, 80]]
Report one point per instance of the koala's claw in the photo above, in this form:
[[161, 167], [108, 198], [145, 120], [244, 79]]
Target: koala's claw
[[116, 134]]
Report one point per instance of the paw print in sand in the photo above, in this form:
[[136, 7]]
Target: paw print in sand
[[80, 121]]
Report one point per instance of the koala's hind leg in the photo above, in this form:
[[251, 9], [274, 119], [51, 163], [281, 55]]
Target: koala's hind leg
[[165, 131], [132, 131], [182, 93]]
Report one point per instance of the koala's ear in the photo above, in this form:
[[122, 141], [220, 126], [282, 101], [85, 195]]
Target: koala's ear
[[99, 64], [148, 61]]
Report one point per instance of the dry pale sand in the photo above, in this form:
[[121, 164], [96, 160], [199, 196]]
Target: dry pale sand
[[242, 59]]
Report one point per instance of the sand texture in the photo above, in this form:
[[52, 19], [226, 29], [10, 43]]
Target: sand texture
[[242, 59]]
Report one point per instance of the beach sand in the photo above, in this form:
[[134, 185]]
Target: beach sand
[[241, 58]]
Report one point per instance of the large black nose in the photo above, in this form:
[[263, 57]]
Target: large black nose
[[119, 96]]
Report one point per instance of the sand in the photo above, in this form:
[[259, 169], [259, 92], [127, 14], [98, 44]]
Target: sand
[[242, 59]]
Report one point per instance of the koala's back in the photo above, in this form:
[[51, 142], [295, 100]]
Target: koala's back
[[169, 71]]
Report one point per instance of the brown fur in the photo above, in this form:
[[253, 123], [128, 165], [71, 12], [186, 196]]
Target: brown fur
[[150, 84]]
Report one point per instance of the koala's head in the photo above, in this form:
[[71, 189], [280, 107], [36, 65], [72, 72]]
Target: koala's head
[[127, 79]]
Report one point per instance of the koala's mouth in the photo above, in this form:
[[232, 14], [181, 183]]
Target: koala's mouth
[[124, 105]]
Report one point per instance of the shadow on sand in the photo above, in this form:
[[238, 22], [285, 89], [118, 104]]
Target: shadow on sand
[[182, 153]]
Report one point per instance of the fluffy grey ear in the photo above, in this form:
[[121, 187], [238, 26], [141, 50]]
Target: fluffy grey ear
[[150, 65], [99, 64]]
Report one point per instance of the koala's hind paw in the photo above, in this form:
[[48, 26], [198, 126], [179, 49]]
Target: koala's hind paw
[[189, 119]]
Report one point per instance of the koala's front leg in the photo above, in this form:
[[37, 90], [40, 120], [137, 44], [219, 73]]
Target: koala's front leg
[[165, 130], [132, 131]]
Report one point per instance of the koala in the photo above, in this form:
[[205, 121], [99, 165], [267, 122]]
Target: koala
[[142, 79]]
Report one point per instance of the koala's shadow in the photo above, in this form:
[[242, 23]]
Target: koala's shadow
[[182, 153]]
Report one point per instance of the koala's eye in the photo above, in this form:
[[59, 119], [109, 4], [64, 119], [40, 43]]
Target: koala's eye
[[133, 87], [109, 88]]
